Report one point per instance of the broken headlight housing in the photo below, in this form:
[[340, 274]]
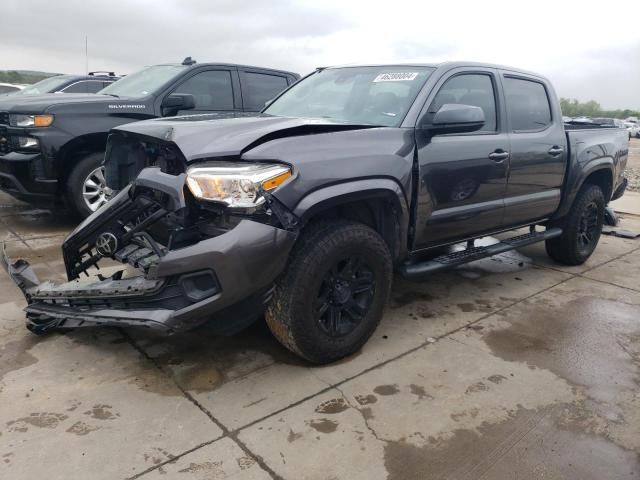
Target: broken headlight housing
[[238, 185]]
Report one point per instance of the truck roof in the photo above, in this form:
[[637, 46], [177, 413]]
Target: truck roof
[[236, 65], [442, 65]]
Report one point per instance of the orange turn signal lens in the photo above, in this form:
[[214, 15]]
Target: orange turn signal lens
[[42, 120], [274, 182]]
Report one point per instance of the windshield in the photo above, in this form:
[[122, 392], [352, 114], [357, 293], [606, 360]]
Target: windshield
[[144, 82], [360, 95], [48, 85]]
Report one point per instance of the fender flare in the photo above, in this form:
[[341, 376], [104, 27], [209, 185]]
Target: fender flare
[[576, 181], [357, 190]]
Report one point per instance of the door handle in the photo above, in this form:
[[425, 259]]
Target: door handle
[[499, 155], [555, 151]]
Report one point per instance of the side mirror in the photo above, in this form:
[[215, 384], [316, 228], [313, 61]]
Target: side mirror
[[179, 101], [457, 118]]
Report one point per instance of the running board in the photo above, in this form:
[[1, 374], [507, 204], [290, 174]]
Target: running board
[[413, 270]]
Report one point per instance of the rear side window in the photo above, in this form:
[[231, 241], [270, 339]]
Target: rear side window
[[78, 87], [211, 90], [94, 86], [527, 104], [258, 88], [469, 89]]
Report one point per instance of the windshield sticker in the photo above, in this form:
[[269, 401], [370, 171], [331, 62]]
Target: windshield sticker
[[396, 77]]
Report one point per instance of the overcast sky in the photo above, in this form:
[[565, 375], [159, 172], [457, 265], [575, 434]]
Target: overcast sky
[[589, 49]]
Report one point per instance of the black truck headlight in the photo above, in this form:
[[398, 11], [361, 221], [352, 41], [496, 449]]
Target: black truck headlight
[[20, 120], [236, 184]]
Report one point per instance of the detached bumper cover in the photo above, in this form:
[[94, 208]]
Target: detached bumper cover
[[243, 262]]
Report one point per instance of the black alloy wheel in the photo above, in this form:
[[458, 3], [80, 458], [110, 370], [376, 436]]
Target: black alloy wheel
[[345, 296]]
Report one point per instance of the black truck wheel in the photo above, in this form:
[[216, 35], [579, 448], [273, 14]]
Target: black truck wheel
[[581, 228], [331, 297], [86, 187]]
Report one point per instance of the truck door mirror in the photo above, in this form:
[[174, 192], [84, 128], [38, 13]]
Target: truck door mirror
[[456, 118], [178, 101]]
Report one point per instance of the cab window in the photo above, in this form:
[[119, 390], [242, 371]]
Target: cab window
[[469, 89], [527, 104], [211, 90]]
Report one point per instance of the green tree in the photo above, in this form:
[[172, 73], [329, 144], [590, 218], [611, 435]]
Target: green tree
[[571, 107]]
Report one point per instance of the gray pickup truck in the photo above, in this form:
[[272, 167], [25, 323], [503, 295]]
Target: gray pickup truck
[[303, 212]]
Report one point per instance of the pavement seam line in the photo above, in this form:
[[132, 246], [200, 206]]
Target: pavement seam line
[[173, 459], [226, 433], [364, 418], [397, 357]]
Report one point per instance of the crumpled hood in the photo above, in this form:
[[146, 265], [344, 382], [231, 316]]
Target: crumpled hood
[[207, 136]]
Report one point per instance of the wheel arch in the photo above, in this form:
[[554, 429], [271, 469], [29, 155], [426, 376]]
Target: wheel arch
[[602, 177], [599, 173], [379, 203], [78, 148]]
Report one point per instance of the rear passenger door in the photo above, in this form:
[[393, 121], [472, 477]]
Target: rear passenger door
[[259, 86], [538, 149], [213, 90]]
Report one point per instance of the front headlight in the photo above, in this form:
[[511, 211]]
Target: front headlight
[[20, 120], [236, 184]]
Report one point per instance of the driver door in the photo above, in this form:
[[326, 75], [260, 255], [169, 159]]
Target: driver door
[[463, 176], [213, 91]]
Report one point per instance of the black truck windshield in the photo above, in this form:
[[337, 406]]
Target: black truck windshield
[[378, 95], [44, 86], [143, 82]]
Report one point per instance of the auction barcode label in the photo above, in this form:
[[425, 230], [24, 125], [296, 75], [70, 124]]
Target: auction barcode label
[[396, 77]]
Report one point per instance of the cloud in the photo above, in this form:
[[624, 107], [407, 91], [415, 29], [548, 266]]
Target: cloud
[[590, 50]]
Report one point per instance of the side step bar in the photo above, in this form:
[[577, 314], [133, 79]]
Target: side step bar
[[415, 270]]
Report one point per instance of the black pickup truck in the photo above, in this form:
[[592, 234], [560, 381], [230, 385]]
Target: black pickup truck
[[304, 212], [52, 146]]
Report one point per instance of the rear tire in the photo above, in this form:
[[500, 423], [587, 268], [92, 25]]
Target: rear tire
[[86, 187], [331, 297], [580, 229]]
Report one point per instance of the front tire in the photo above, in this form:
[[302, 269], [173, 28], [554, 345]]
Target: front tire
[[581, 228], [331, 297], [86, 186]]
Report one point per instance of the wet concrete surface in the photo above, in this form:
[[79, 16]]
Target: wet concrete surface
[[510, 367]]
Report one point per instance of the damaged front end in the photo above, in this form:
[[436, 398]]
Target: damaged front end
[[184, 262]]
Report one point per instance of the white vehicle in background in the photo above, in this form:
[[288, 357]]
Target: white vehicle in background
[[582, 119], [634, 130], [6, 88]]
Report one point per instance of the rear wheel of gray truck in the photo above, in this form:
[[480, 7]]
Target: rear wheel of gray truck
[[86, 187], [331, 297], [580, 229]]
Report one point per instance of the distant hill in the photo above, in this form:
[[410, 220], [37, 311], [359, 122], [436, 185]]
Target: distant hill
[[23, 76]]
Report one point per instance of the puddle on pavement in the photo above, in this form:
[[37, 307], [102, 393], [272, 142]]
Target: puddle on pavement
[[589, 341], [507, 262], [530, 444], [201, 361], [15, 355], [35, 223]]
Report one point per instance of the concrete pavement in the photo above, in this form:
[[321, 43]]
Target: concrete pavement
[[512, 367]]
